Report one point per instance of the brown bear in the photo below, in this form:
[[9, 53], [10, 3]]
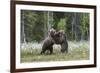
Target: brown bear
[[55, 38], [61, 39], [48, 42]]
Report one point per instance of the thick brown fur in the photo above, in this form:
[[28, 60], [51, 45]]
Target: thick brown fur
[[55, 38], [48, 42], [61, 39]]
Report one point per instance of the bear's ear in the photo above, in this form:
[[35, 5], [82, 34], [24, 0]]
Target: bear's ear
[[52, 29]]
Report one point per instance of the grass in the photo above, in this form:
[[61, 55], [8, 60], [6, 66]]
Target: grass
[[77, 51]]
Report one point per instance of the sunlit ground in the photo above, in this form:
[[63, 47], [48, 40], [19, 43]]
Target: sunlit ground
[[30, 52]]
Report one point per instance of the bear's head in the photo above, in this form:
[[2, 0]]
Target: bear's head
[[52, 32]]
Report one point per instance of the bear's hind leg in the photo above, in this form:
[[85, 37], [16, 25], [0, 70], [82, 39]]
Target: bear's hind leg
[[43, 51], [51, 49], [64, 47]]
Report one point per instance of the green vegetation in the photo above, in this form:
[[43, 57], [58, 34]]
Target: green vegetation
[[80, 52], [36, 24], [34, 29]]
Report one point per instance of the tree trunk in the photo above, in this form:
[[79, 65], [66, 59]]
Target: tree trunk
[[45, 25], [23, 33], [50, 20], [73, 21], [76, 27]]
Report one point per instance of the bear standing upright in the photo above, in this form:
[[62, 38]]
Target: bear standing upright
[[48, 42], [61, 39]]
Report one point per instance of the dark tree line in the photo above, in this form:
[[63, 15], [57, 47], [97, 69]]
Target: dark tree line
[[36, 24]]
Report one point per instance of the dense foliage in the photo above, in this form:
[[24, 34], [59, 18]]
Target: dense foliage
[[36, 24]]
